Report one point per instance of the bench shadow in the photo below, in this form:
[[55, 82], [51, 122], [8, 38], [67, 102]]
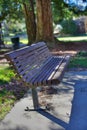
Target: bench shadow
[[53, 118], [50, 116], [78, 116]]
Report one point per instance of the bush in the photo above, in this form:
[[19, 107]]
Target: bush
[[69, 27]]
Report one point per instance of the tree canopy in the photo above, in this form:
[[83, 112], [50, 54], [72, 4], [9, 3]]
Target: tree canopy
[[79, 4], [10, 9], [28, 9], [61, 11]]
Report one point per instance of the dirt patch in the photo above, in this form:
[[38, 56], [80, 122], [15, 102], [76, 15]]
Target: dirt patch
[[71, 48]]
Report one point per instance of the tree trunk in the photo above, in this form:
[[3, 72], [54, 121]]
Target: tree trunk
[[1, 40], [30, 21], [44, 21]]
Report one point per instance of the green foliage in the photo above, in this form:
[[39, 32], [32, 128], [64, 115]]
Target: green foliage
[[82, 53], [79, 61], [6, 102], [10, 9], [61, 11], [15, 26], [9, 93], [5, 75], [69, 27]]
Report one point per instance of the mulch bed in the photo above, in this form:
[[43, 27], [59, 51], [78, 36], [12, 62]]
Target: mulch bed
[[70, 48], [16, 87]]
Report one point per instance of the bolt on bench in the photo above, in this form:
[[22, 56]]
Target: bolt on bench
[[36, 66]]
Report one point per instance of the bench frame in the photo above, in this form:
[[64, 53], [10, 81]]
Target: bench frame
[[41, 67]]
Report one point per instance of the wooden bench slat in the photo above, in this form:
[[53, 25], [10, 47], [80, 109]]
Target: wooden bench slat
[[46, 68], [25, 50], [56, 79], [61, 69], [31, 66], [52, 73], [59, 74], [47, 71], [31, 60], [28, 54], [34, 59], [36, 65], [44, 71], [40, 69]]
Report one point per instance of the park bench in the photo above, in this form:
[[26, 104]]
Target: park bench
[[36, 66]]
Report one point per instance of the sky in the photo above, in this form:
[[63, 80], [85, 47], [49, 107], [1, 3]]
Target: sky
[[78, 3]]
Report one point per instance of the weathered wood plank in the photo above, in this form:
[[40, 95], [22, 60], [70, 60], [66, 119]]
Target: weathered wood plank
[[30, 79], [47, 70], [44, 68], [32, 60], [23, 56], [60, 73], [54, 69], [26, 49], [36, 65]]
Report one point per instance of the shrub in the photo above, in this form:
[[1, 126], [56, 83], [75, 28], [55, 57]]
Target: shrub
[[69, 27]]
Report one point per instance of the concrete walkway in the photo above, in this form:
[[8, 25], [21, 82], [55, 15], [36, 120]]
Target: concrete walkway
[[68, 108]]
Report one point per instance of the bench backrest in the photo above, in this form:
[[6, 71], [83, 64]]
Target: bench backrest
[[26, 61]]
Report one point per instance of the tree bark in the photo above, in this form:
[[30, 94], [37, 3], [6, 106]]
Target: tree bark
[[30, 21], [44, 21], [1, 40]]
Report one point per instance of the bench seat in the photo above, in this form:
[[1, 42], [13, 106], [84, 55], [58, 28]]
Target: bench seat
[[50, 73], [37, 66]]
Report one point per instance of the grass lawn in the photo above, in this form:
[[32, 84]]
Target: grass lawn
[[6, 102], [22, 40], [65, 39], [10, 90], [7, 98], [5, 74], [73, 38]]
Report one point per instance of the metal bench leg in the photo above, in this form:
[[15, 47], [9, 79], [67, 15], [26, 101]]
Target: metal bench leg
[[35, 98], [35, 101]]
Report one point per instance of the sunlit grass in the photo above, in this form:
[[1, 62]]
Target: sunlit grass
[[8, 95], [22, 40], [25, 41], [75, 38], [6, 98], [6, 102], [5, 74]]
